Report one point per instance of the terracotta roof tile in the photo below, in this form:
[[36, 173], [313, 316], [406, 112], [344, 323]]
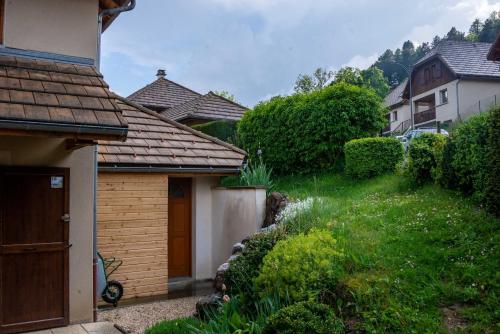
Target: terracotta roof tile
[[156, 140], [48, 91]]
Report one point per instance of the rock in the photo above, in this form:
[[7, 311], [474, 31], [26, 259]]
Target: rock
[[237, 248], [219, 276], [275, 203], [208, 305], [269, 228]]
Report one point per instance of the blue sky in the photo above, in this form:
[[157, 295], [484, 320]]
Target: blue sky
[[255, 49]]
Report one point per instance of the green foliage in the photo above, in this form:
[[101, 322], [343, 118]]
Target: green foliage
[[492, 165], [372, 78], [301, 266], [306, 83], [304, 317], [224, 130], [470, 141], [369, 157], [225, 94], [257, 174], [423, 157], [306, 132], [177, 326]]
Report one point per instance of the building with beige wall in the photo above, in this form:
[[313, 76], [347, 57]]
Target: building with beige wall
[[452, 82], [160, 209], [54, 106]]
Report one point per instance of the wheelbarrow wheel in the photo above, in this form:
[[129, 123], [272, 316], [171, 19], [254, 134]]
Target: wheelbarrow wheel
[[113, 292]]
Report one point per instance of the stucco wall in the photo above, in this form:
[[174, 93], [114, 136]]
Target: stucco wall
[[471, 92], [66, 27], [403, 115], [236, 214], [31, 151]]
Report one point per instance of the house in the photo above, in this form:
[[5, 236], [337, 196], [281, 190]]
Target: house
[[185, 105], [398, 117], [54, 107], [159, 206], [453, 81]]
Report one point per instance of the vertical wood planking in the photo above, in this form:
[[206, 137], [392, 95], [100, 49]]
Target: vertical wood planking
[[132, 225]]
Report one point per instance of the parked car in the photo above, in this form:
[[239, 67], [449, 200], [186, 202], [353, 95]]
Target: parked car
[[410, 134]]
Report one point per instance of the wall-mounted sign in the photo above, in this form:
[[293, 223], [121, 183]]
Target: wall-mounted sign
[[56, 182]]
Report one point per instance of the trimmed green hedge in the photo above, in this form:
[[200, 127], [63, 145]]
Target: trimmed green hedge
[[492, 165], [424, 155], [224, 130], [306, 133], [369, 157]]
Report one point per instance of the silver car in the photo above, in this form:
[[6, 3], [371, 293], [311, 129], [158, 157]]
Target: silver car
[[410, 134]]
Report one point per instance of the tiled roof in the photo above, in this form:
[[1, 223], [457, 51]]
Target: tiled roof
[[48, 92], [163, 94], [465, 58], [210, 106], [395, 96], [154, 140]]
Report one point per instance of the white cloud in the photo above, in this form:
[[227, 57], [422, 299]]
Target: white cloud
[[362, 62]]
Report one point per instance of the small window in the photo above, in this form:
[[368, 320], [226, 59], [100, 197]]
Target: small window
[[427, 75], [443, 96], [395, 116]]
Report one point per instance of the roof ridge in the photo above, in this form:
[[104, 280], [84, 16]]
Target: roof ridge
[[179, 125]]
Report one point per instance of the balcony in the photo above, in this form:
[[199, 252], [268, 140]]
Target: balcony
[[425, 116]]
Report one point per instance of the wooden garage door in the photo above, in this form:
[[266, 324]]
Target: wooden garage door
[[179, 227], [33, 249]]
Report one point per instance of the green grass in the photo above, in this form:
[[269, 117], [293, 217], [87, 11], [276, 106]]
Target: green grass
[[410, 252]]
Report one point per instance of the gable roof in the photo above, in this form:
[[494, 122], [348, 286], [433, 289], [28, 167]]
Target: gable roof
[[395, 96], [163, 94], [156, 142], [53, 97], [210, 106], [465, 59]]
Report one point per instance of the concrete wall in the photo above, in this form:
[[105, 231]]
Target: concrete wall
[[67, 27], [403, 115], [471, 92], [51, 152], [236, 214]]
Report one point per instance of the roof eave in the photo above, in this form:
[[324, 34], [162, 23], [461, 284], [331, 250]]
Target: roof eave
[[217, 170]]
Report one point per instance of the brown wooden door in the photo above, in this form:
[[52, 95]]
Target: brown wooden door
[[33, 249], [179, 227]]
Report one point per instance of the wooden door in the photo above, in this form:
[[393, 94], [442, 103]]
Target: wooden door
[[179, 227], [33, 249]]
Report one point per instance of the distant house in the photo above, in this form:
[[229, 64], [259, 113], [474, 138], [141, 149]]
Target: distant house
[[453, 81], [184, 105]]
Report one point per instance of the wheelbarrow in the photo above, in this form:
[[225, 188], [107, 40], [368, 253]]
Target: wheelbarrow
[[110, 291]]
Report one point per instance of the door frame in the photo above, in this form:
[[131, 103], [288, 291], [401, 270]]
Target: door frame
[[49, 323], [190, 232]]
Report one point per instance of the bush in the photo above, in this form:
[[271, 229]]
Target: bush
[[177, 326], [224, 130], [424, 154], [369, 157], [306, 132], [245, 268], [304, 317], [301, 267], [492, 182], [256, 174]]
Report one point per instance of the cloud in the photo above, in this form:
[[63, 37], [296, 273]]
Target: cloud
[[362, 62]]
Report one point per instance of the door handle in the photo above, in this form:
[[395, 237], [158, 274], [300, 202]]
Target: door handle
[[66, 218]]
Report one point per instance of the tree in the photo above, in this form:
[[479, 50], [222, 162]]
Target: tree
[[372, 77], [225, 94], [475, 29], [455, 35], [306, 83], [491, 28]]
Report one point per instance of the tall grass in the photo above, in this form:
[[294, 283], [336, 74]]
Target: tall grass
[[256, 174]]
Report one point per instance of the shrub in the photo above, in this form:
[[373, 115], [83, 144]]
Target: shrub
[[256, 174], [492, 182], [177, 326], [424, 154], [300, 267], [369, 157], [224, 130], [304, 317], [245, 268], [307, 132]]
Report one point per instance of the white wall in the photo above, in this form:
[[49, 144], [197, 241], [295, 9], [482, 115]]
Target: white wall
[[67, 27], [471, 92], [444, 112], [51, 152], [403, 115]]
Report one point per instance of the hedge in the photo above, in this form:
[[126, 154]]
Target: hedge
[[223, 129], [424, 155], [306, 133], [369, 157]]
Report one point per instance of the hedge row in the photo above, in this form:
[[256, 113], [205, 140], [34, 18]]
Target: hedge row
[[369, 157], [306, 133], [468, 160]]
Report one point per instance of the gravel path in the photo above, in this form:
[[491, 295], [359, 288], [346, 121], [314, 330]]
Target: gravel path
[[137, 318]]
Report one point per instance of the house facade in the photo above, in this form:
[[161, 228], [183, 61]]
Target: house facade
[[160, 209], [54, 107], [184, 105], [452, 82]]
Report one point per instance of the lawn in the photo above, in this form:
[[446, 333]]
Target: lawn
[[412, 254]]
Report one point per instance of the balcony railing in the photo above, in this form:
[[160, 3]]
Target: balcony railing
[[425, 116]]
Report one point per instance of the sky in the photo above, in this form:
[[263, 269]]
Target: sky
[[255, 49]]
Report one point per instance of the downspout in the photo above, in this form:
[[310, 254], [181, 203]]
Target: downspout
[[110, 11], [458, 99]]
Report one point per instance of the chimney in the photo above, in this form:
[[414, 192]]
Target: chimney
[[161, 74]]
